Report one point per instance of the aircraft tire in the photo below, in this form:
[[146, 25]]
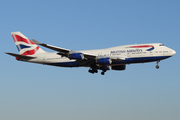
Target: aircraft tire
[[157, 66], [102, 73]]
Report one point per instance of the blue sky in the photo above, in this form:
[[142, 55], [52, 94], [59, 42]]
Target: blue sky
[[31, 91]]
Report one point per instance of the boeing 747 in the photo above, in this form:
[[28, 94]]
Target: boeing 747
[[114, 58]]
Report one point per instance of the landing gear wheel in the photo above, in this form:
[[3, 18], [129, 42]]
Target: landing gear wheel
[[90, 71], [102, 73], [157, 66]]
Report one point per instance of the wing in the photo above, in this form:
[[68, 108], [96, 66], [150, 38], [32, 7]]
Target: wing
[[61, 50], [65, 52], [75, 54]]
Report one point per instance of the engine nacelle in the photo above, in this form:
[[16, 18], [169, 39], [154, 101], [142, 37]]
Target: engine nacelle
[[119, 67], [104, 61], [76, 56]]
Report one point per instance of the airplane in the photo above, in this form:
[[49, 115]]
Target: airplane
[[113, 58]]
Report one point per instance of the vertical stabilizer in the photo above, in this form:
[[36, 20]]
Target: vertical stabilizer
[[24, 45]]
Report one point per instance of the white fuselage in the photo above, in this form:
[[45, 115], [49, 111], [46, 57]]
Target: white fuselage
[[137, 53], [114, 58]]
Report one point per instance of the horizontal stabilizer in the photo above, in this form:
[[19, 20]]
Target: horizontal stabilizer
[[20, 56]]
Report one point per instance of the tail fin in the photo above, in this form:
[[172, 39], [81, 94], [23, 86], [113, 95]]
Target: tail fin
[[24, 45]]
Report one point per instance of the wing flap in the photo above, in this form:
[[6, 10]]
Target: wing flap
[[116, 59], [90, 56]]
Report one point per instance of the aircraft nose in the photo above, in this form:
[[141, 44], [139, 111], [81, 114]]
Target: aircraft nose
[[173, 52]]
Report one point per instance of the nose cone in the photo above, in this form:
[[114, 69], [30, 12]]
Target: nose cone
[[173, 52]]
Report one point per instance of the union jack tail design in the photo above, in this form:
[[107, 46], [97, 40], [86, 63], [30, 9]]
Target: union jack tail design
[[24, 45]]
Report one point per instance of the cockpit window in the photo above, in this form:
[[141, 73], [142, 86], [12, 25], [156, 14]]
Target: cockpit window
[[161, 45]]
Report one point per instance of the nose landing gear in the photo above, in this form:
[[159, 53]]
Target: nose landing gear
[[157, 66]]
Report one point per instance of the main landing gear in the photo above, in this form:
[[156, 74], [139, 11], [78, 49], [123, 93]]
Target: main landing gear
[[95, 70], [103, 72], [157, 66]]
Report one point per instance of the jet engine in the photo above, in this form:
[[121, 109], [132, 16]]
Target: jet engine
[[104, 61], [118, 67], [76, 56]]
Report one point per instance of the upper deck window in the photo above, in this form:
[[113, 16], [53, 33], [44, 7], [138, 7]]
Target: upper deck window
[[161, 45]]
